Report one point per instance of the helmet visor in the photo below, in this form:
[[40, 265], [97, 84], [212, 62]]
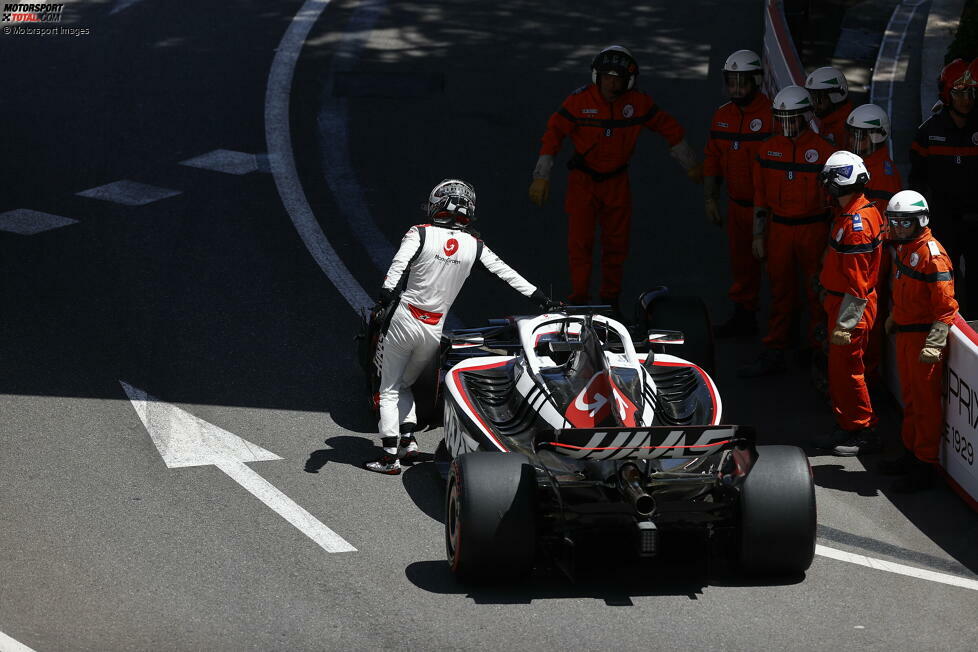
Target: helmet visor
[[863, 142], [899, 220], [739, 84], [821, 101], [791, 123]]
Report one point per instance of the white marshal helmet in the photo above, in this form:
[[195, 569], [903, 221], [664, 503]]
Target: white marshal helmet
[[908, 204], [451, 201], [831, 80], [844, 173], [792, 108], [741, 66], [870, 121]]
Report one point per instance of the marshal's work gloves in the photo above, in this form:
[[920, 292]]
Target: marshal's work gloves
[[889, 326], [935, 343], [840, 337], [712, 205], [540, 188], [686, 157], [539, 191], [930, 355], [759, 229]]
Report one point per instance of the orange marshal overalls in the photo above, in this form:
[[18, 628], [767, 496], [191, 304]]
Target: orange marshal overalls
[[884, 182], [786, 182], [604, 136], [851, 266], [735, 136], [923, 293], [833, 126]]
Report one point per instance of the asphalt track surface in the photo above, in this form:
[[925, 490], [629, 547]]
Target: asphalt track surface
[[209, 301]]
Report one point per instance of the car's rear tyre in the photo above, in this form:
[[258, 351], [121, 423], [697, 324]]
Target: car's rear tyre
[[490, 531], [777, 513], [689, 315]]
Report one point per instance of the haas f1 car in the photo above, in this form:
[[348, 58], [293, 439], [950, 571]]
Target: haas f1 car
[[566, 427]]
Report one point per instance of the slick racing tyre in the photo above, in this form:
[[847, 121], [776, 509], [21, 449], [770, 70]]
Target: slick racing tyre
[[777, 513], [689, 315], [490, 533]]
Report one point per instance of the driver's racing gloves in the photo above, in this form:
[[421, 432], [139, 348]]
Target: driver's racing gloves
[[546, 303]]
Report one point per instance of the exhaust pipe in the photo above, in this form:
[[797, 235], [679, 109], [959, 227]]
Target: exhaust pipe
[[630, 482]]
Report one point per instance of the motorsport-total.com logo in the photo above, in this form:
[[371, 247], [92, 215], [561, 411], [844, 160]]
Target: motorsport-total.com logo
[[32, 13]]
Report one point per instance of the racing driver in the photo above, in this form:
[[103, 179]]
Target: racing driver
[[431, 265]]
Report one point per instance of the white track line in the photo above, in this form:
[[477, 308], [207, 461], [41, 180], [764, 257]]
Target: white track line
[[899, 569], [334, 134], [884, 58], [282, 162], [8, 644]]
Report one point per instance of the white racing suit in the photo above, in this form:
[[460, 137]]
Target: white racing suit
[[436, 260]]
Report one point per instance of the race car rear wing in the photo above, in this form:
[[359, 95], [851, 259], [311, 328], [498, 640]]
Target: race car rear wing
[[647, 443]]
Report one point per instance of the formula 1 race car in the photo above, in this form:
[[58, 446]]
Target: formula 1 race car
[[565, 427]]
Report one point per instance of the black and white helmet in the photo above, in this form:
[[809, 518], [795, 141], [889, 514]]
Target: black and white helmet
[[615, 60], [452, 201], [844, 173]]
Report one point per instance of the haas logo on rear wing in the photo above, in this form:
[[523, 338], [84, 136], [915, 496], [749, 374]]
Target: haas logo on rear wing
[[646, 443]]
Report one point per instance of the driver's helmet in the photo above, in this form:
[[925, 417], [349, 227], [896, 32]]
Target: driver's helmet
[[452, 202], [844, 173], [792, 110], [868, 127], [616, 61]]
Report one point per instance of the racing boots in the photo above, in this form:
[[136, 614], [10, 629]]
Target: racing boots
[[387, 463], [742, 322], [407, 450], [769, 362]]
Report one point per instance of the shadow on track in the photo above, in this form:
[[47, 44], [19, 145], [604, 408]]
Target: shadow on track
[[615, 584]]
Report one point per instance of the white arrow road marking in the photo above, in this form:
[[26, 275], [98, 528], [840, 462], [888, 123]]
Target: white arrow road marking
[[186, 440], [900, 569], [28, 222], [129, 193], [8, 644]]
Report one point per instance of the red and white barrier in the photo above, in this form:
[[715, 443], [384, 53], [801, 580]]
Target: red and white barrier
[[959, 446]]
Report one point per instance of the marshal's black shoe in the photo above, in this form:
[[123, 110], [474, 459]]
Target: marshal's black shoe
[[862, 442], [769, 362], [742, 322]]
